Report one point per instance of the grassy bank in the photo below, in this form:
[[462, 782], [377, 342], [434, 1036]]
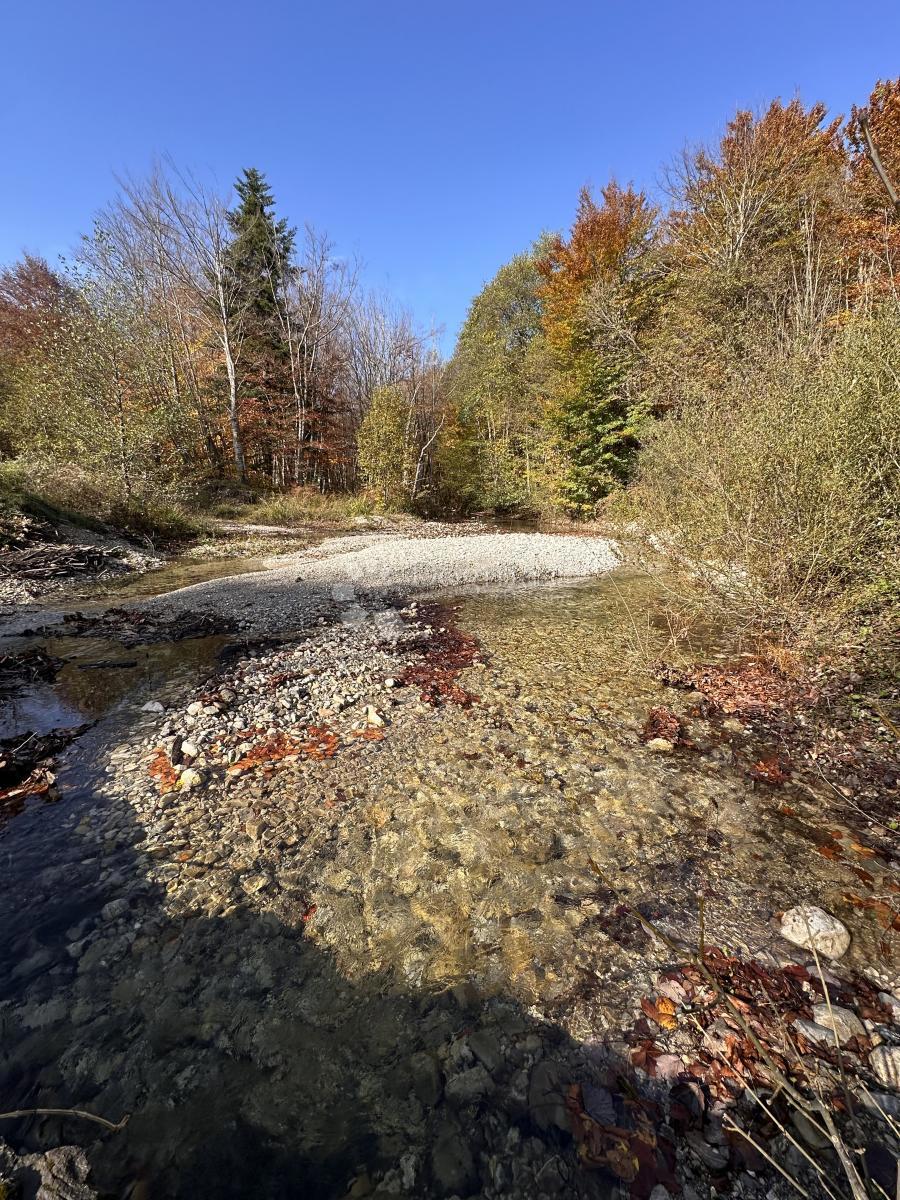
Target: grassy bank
[[64, 494]]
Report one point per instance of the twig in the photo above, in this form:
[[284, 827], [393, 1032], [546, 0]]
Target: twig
[[875, 159], [790, 1137], [856, 1184], [718, 989], [702, 925], [831, 1131], [66, 1112], [759, 1149]]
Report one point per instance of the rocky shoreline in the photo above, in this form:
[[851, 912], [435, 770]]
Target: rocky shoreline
[[329, 915]]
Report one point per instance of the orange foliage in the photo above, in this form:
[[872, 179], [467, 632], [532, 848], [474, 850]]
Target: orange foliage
[[602, 239], [320, 743], [872, 229], [768, 176], [162, 771]]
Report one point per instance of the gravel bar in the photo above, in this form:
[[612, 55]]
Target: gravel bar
[[301, 586]]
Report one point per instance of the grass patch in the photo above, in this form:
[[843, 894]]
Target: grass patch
[[66, 495], [299, 507]]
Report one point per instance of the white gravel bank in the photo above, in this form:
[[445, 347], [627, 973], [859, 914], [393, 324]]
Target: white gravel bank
[[300, 586], [452, 562]]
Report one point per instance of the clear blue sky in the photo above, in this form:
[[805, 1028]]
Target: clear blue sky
[[434, 138]]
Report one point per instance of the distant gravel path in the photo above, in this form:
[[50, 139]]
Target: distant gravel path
[[300, 586]]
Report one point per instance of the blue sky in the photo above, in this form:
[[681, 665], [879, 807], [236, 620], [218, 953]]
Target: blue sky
[[435, 139]]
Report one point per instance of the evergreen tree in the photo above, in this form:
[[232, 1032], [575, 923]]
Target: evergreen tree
[[601, 289], [260, 259], [260, 253]]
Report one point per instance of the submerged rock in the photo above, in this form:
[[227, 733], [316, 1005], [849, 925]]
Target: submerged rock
[[546, 1096], [660, 745], [452, 1165], [814, 928], [469, 1086], [814, 1032]]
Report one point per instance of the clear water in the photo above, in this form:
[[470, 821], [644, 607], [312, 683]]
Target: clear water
[[272, 1046]]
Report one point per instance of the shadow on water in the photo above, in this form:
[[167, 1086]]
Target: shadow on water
[[250, 1066]]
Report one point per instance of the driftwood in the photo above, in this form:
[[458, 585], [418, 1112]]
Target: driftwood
[[18, 670], [52, 562]]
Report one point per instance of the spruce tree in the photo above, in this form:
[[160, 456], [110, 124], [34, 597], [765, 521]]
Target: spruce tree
[[261, 251], [259, 257]]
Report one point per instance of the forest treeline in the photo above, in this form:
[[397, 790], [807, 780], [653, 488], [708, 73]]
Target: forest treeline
[[191, 342], [721, 368]]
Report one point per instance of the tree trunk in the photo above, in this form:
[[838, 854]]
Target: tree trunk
[[237, 445]]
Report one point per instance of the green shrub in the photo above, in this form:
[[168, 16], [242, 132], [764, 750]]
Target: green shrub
[[781, 494], [63, 492]]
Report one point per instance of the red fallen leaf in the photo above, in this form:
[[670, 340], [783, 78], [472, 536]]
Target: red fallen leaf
[[787, 810], [886, 916], [832, 852], [642, 1030], [643, 1055], [754, 687], [796, 972], [673, 989], [772, 770], [650, 1009], [369, 734], [863, 851], [863, 875], [661, 722], [161, 770], [320, 743], [309, 912], [667, 1067], [448, 652]]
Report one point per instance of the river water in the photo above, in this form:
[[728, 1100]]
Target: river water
[[450, 919]]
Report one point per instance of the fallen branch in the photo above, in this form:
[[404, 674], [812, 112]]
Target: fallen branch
[[65, 1112]]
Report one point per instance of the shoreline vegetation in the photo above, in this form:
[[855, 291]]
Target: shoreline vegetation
[[507, 893]]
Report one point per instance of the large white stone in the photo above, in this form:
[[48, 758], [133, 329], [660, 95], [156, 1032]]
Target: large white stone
[[814, 1032], [814, 928]]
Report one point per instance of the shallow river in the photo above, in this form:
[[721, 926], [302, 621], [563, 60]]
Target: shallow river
[[450, 918]]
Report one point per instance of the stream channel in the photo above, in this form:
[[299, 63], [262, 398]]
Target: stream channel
[[369, 1019]]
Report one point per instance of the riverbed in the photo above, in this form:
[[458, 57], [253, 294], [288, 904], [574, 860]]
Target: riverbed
[[370, 965]]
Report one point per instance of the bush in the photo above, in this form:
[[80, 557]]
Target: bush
[[64, 492], [303, 505], [782, 494]]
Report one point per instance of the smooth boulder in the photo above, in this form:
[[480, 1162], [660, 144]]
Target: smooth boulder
[[813, 928]]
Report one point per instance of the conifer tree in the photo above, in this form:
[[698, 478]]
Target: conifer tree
[[260, 260], [260, 253]]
